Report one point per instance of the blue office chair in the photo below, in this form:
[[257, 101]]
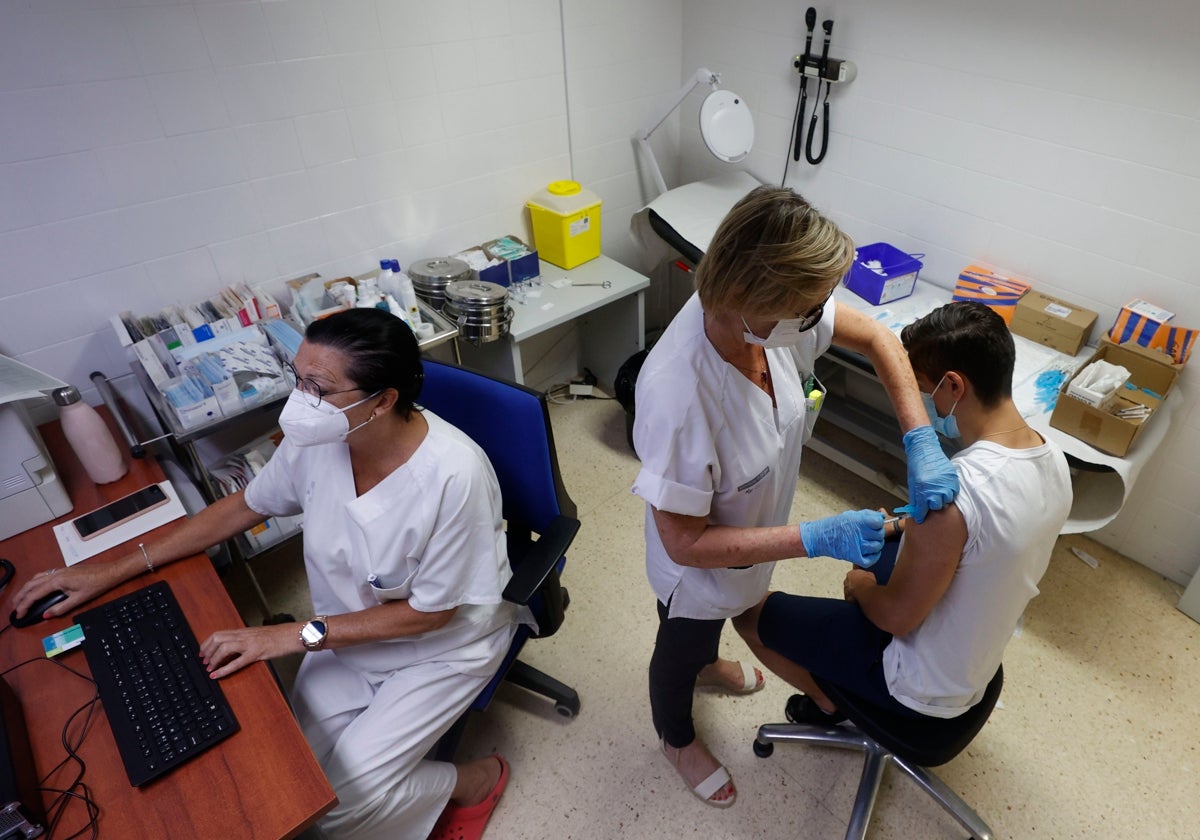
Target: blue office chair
[[511, 424]]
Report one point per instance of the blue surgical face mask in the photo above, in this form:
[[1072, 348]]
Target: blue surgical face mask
[[947, 425]]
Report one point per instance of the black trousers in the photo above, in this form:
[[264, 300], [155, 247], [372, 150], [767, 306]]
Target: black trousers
[[683, 647]]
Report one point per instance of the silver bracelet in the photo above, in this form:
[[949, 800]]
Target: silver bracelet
[[149, 565]]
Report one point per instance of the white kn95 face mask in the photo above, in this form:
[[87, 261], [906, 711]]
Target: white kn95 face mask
[[307, 425], [785, 333]]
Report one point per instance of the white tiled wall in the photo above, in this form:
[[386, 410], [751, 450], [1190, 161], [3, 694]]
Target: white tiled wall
[[623, 62], [151, 152], [1056, 141], [154, 150]]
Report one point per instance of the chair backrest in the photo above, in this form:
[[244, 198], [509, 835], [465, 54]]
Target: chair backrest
[[925, 741], [511, 423]]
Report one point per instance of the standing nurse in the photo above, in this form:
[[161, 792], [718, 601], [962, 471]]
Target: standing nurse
[[721, 418]]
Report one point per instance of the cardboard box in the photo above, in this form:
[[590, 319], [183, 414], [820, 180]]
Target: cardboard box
[[1146, 324], [997, 292], [1139, 321], [1152, 375], [522, 268], [497, 274], [1053, 322]]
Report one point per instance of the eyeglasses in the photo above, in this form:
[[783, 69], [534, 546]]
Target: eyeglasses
[[812, 317], [311, 391]]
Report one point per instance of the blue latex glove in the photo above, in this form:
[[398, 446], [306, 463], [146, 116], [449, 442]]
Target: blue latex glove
[[932, 479], [856, 535]]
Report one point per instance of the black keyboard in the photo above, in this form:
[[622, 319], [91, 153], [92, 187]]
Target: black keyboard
[[162, 706]]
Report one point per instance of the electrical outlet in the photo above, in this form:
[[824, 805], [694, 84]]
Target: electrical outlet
[[580, 389]]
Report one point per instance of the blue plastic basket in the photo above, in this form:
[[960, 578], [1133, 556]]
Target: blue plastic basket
[[894, 279]]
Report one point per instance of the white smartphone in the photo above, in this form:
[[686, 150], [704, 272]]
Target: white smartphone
[[119, 512]]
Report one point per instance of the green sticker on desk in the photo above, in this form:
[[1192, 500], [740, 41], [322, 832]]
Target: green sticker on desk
[[63, 640]]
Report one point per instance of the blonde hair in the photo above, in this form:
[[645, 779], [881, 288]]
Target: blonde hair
[[773, 253]]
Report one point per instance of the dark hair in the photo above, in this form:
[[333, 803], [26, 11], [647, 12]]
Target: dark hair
[[381, 352], [967, 337]]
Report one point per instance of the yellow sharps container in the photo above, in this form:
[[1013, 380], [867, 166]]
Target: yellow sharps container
[[566, 224]]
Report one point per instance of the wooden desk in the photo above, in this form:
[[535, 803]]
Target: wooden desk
[[263, 782]]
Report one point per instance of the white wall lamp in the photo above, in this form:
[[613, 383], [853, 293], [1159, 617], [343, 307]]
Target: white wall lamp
[[725, 123]]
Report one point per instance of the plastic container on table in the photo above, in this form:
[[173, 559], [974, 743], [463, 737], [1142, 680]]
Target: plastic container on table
[[893, 278], [566, 224]]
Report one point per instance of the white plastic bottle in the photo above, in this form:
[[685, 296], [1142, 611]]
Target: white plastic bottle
[[89, 437], [368, 293], [407, 296], [385, 276], [396, 309]]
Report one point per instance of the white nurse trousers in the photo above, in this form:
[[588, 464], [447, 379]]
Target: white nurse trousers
[[370, 733]]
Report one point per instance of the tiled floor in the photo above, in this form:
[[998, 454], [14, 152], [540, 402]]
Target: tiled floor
[[1095, 736]]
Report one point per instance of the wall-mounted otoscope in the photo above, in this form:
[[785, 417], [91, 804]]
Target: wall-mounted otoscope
[[801, 62], [826, 71], [810, 155]]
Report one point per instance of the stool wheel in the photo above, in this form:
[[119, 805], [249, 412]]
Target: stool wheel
[[763, 750]]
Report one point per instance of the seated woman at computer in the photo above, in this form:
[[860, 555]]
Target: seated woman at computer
[[405, 554], [928, 641]]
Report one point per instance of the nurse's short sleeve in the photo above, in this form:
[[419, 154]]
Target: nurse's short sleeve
[[274, 491], [677, 448], [465, 561]]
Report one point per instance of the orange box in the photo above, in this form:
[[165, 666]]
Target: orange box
[[1146, 324], [995, 291]]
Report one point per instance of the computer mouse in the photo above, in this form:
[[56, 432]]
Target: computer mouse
[[37, 608]]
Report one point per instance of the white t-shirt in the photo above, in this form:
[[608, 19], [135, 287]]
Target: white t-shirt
[[712, 445], [1014, 502], [430, 533]]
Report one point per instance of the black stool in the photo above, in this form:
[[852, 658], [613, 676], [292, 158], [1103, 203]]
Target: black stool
[[889, 738]]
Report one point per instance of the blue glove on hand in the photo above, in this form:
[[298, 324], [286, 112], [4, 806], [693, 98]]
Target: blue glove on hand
[[856, 535], [932, 479]]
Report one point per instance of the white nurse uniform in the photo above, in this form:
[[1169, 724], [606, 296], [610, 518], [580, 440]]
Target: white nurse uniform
[[712, 444], [430, 533]]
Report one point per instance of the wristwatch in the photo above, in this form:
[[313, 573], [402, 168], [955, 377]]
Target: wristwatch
[[314, 633]]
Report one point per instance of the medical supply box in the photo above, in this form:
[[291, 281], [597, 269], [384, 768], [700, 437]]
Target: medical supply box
[[882, 273], [1052, 321], [1151, 376], [497, 273], [1139, 321], [520, 260], [1147, 325], [995, 291], [566, 224]]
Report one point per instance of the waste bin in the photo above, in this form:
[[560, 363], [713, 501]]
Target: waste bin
[[624, 386]]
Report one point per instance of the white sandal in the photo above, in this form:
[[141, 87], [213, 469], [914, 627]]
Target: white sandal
[[706, 789], [752, 681]]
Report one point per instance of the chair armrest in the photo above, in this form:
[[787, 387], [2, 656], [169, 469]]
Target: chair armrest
[[539, 558]]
